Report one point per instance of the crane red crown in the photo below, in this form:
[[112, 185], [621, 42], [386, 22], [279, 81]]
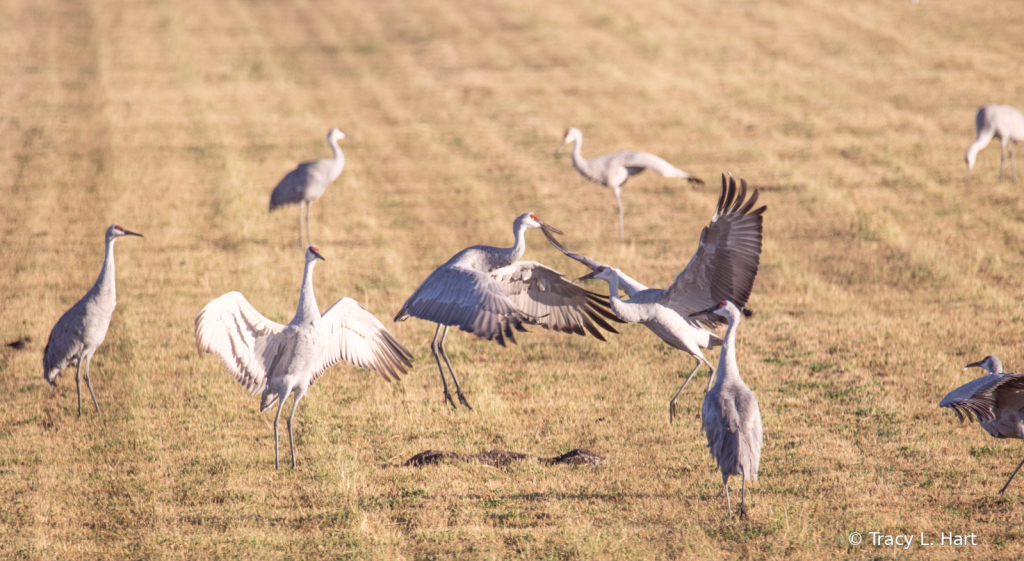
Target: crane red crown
[[314, 249], [534, 216]]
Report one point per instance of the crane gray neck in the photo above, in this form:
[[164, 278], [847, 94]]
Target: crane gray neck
[[105, 282], [728, 368], [510, 255], [308, 310], [578, 161]]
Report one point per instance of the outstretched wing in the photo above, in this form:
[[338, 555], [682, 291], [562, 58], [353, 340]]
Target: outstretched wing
[[467, 298], [251, 346], [357, 337], [977, 399], [726, 261], [629, 284], [553, 302], [636, 162], [293, 187]]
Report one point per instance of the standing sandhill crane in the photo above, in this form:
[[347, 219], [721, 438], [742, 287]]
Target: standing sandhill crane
[[1000, 121], [612, 170], [487, 291], [732, 419], [995, 400], [81, 330], [280, 360], [307, 182], [723, 268]]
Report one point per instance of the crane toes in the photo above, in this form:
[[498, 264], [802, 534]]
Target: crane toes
[[462, 400], [448, 398], [671, 411]]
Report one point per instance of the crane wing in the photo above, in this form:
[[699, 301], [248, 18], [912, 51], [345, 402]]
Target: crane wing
[[726, 261], [977, 399], [252, 347], [467, 298], [357, 337], [553, 302], [629, 284], [292, 187], [636, 162]]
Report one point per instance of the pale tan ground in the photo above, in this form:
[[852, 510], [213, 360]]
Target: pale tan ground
[[884, 271]]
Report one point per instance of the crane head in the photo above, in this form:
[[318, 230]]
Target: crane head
[[990, 364], [334, 135], [531, 220], [314, 253], [570, 134], [116, 231], [603, 272]]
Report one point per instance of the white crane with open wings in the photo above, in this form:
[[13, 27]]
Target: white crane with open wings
[[723, 268], [281, 360], [488, 291], [612, 170]]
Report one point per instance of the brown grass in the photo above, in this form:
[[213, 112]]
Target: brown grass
[[885, 270]]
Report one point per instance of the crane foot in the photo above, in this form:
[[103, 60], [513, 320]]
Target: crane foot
[[671, 411], [462, 400], [448, 398]]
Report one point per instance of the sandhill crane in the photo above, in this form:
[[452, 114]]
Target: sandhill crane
[[488, 292], [612, 170], [1000, 121], [723, 268], [81, 330], [281, 360], [307, 182], [732, 419], [995, 400]]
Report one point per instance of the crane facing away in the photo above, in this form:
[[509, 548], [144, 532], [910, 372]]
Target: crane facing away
[[723, 268], [282, 360], [82, 329], [488, 292], [612, 170], [731, 416], [995, 400], [309, 180], [1002, 122]]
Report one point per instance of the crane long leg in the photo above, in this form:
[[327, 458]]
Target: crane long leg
[[291, 440], [433, 349], [78, 385], [743, 496], [300, 222], [308, 236], [728, 502], [280, 403], [1011, 477], [618, 198], [1013, 160], [88, 382], [672, 404], [1002, 156], [711, 376], [458, 388]]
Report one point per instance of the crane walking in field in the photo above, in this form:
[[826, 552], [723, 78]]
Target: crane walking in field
[[1002, 122], [488, 292], [995, 400], [723, 268], [612, 170], [732, 419], [282, 360], [81, 330], [306, 183]]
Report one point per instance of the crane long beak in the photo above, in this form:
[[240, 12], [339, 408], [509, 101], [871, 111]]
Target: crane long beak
[[591, 275], [706, 312], [130, 233], [549, 228], [978, 364]]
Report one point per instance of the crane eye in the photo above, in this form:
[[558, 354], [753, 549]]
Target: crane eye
[[534, 217]]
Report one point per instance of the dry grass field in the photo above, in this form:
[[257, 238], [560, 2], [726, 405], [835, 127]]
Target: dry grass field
[[885, 270]]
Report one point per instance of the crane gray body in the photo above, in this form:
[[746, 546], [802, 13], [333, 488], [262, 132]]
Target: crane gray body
[[995, 400], [488, 292], [82, 329], [307, 182], [723, 268], [612, 170], [997, 121], [282, 360], [731, 415]]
